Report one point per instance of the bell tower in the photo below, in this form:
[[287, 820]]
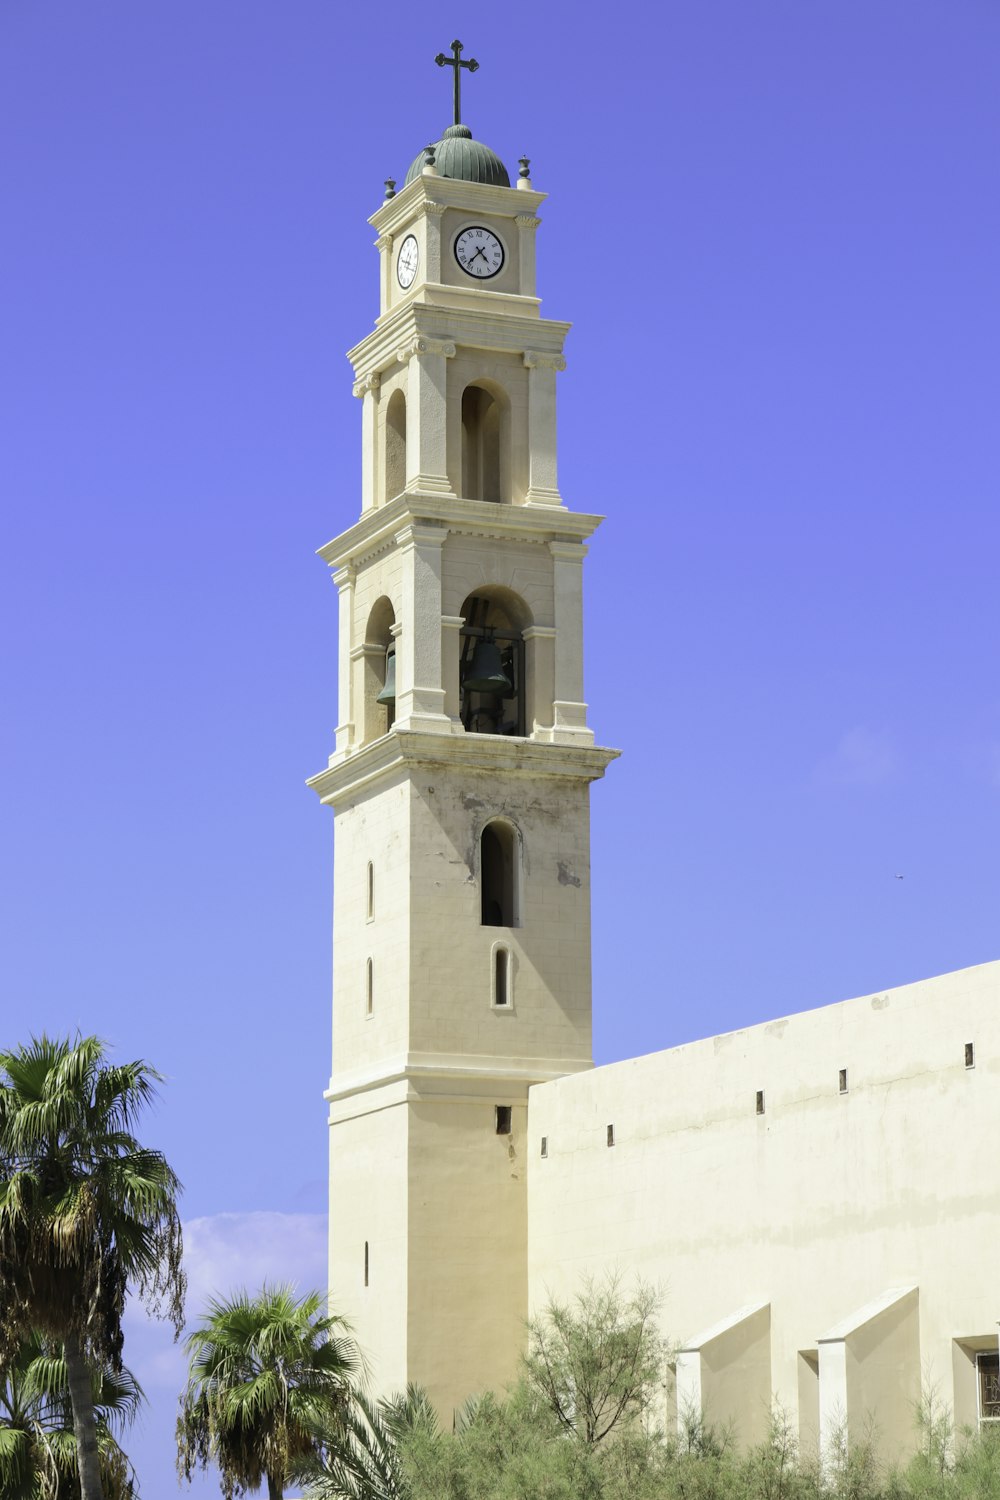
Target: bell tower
[[459, 780]]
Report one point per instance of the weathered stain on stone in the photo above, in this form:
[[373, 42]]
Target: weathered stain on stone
[[471, 803], [566, 876], [776, 1028], [880, 1002]]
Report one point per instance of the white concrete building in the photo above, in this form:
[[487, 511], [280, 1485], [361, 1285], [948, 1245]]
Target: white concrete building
[[807, 1191]]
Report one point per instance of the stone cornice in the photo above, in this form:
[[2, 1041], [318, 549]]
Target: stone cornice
[[457, 1077], [449, 192], [377, 528], [393, 756], [473, 326]]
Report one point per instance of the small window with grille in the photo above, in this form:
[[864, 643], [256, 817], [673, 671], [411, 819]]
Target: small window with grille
[[988, 1373]]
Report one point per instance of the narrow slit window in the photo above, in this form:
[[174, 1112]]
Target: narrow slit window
[[545, 1145], [842, 1080], [369, 989], [611, 1135], [970, 1054], [501, 977], [760, 1101], [366, 1262], [370, 892], [503, 1119]]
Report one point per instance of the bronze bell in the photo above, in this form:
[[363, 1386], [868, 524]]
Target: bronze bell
[[486, 674], [388, 693]]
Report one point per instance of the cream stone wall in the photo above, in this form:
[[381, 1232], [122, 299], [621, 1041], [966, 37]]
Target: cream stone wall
[[819, 1207]]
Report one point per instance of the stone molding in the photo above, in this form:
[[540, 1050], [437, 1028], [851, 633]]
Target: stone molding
[[366, 383], [394, 754], [535, 360], [526, 221], [433, 208], [384, 242], [374, 532]]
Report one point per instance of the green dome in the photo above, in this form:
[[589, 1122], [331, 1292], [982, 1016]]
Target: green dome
[[458, 155]]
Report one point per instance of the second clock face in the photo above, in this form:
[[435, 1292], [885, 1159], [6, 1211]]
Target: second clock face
[[479, 252], [406, 263]]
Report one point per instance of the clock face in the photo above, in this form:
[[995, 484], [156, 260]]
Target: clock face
[[406, 262], [479, 252]]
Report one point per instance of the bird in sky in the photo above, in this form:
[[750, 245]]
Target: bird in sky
[[900, 877]]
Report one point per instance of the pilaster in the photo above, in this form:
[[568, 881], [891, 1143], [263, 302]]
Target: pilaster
[[527, 225], [426, 413], [420, 697], [569, 711], [344, 733], [543, 484], [368, 390]]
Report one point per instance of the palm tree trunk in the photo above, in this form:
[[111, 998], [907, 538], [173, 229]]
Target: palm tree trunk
[[275, 1490], [81, 1395]]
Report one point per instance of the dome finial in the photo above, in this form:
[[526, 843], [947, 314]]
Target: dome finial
[[456, 62]]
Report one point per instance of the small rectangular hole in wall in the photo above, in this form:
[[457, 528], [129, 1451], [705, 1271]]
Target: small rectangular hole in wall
[[760, 1101], [545, 1145], [366, 1262], [970, 1054], [842, 1077], [611, 1135], [503, 1118]]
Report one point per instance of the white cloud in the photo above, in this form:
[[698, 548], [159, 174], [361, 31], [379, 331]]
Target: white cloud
[[223, 1253], [863, 757]]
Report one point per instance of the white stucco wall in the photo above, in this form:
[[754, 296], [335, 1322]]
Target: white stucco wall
[[816, 1207]]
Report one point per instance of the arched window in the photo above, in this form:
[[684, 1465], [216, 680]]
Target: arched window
[[369, 989], [370, 893], [498, 875], [484, 466], [395, 445], [378, 707], [492, 662]]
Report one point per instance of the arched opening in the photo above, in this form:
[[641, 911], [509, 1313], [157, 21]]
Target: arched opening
[[379, 692], [484, 423], [491, 669], [498, 875], [395, 445]]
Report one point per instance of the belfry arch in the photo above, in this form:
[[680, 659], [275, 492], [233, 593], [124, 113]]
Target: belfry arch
[[486, 443], [492, 668], [394, 450], [377, 669]]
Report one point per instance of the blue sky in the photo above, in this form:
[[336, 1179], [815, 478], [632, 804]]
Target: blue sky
[[776, 228]]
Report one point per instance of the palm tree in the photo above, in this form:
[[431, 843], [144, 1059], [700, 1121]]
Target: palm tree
[[38, 1458], [85, 1213], [263, 1370], [359, 1457]]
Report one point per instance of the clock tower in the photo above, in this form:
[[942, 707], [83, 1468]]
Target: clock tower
[[459, 781]]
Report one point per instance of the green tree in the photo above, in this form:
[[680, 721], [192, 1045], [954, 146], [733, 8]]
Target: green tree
[[85, 1213], [596, 1361], [265, 1374], [38, 1459]]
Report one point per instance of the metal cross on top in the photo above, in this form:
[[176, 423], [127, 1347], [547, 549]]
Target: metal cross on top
[[458, 64]]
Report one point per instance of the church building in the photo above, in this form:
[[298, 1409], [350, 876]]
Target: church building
[[816, 1195]]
